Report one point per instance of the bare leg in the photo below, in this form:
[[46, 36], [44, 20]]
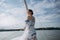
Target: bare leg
[[34, 38]]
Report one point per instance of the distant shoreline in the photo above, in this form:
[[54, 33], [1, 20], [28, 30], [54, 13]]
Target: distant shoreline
[[48, 28]]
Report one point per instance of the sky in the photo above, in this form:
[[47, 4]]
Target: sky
[[13, 13]]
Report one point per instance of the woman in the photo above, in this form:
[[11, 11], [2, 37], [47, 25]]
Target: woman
[[29, 30]]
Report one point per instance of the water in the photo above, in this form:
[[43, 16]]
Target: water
[[41, 35]]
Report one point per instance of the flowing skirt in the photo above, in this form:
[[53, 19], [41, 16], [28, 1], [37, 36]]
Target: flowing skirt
[[25, 36]]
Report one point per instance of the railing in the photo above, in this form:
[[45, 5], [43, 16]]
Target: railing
[[2, 30]]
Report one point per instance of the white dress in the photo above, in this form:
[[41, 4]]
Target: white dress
[[29, 31]]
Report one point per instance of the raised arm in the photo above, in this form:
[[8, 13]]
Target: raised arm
[[26, 5]]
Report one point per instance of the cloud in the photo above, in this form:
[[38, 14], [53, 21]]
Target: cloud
[[7, 20], [12, 16], [40, 6], [15, 16], [1, 2], [51, 15]]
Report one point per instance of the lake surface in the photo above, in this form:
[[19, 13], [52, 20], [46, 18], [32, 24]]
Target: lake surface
[[41, 35]]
